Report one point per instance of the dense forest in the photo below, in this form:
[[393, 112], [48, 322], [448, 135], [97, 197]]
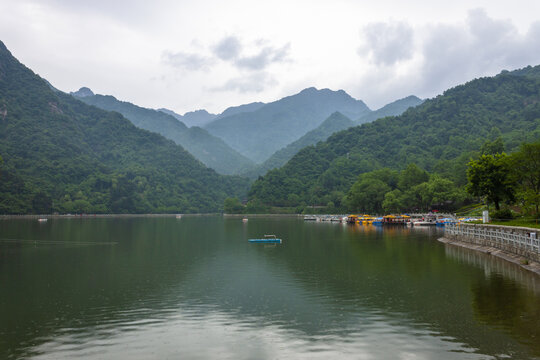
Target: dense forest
[[334, 123], [258, 134], [212, 151], [62, 155], [440, 137]]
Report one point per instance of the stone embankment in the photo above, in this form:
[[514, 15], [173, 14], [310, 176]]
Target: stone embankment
[[516, 244]]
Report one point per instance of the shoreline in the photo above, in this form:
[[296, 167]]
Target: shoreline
[[92, 216], [532, 266]]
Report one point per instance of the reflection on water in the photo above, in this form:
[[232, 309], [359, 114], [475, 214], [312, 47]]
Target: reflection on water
[[195, 288], [208, 334], [493, 265], [502, 297]]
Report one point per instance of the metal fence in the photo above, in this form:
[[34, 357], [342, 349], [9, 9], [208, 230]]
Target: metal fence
[[520, 238]]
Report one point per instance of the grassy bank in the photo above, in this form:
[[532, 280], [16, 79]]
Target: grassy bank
[[531, 223]]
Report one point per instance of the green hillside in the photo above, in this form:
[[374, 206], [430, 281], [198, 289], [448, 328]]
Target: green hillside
[[335, 122], [395, 108], [60, 154], [212, 151], [438, 136], [258, 134]]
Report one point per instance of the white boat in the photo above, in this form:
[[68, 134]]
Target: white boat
[[424, 223], [42, 219]]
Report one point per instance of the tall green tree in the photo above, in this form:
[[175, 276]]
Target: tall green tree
[[490, 177], [493, 147], [411, 176], [526, 165]]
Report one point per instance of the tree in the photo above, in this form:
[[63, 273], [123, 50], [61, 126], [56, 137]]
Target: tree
[[392, 201], [526, 165], [490, 176], [411, 176], [41, 203], [367, 195], [233, 206], [493, 147]]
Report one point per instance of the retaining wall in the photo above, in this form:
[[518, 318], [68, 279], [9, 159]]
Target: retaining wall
[[516, 240]]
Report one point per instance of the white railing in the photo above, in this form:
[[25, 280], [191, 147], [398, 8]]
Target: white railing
[[525, 239]]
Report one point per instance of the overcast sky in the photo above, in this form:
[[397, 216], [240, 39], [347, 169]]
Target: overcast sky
[[188, 55]]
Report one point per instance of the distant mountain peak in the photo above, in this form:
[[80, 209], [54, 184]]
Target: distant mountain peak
[[83, 92], [309, 90], [200, 111]]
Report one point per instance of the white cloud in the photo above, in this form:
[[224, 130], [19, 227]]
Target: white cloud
[[252, 83], [189, 61], [426, 60], [228, 48], [145, 52], [387, 44]]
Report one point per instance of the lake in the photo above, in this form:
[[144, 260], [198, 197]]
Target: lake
[[195, 288]]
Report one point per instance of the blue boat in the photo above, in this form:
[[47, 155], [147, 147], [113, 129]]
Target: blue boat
[[272, 239]]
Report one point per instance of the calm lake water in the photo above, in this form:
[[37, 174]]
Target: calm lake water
[[194, 288]]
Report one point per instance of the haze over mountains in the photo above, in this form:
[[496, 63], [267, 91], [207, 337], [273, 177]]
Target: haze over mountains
[[60, 154], [256, 123], [203, 117], [212, 151], [258, 134], [335, 122], [440, 136]]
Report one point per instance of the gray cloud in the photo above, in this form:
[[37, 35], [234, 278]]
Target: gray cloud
[[484, 46], [189, 61], [264, 57], [253, 83], [442, 55], [228, 48], [387, 44]]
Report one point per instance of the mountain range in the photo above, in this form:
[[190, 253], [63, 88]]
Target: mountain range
[[216, 153], [212, 151], [440, 136], [60, 154], [332, 124], [258, 134], [203, 117]]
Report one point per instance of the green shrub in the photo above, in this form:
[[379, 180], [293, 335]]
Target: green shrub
[[503, 214]]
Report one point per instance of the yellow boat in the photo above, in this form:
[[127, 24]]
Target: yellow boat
[[366, 219]]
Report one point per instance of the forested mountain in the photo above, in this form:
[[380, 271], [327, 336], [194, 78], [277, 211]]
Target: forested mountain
[[258, 134], [233, 110], [192, 118], [203, 117], [438, 136], [334, 123], [212, 151], [60, 154], [397, 107]]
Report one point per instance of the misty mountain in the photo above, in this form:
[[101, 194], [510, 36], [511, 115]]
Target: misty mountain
[[211, 150], [440, 136], [336, 122], [395, 108], [60, 154], [192, 118], [258, 134], [233, 110], [203, 117], [333, 123]]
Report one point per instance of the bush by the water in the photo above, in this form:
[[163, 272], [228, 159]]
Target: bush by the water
[[503, 214]]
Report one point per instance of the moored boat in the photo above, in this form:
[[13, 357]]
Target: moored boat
[[272, 239]]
